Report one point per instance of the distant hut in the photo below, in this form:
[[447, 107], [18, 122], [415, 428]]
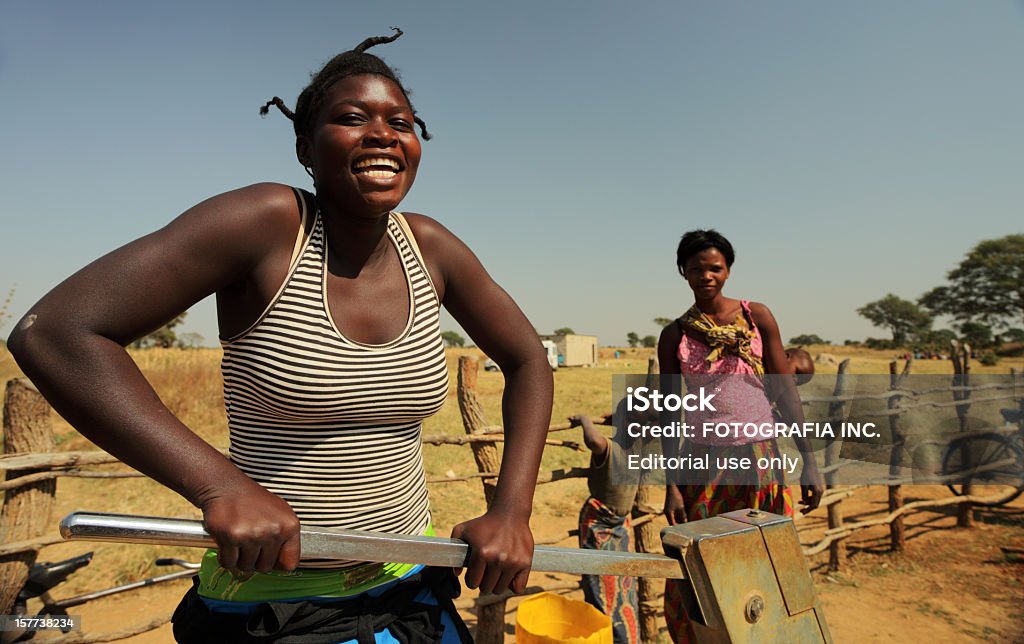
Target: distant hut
[[575, 350]]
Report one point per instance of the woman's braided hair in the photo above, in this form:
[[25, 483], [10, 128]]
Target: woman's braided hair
[[348, 63]]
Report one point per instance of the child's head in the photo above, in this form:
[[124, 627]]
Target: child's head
[[803, 365], [348, 63]]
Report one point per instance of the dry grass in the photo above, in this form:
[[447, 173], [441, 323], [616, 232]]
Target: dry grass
[[5, 306], [8, 369], [188, 381], [867, 361]]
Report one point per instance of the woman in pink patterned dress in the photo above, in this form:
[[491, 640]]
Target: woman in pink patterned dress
[[728, 346]]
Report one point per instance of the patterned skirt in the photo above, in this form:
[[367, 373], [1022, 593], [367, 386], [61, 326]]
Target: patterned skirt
[[602, 529], [724, 491]]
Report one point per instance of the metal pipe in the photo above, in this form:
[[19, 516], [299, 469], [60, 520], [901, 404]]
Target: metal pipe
[[358, 545], [65, 604]]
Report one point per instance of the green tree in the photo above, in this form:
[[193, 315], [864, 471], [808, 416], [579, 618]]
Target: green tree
[[190, 340], [632, 338], [1012, 335], [649, 341], [936, 340], [902, 317], [976, 334], [987, 286], [661, 323], [808, 338], [165, 337], [564, 331], [452, 339]]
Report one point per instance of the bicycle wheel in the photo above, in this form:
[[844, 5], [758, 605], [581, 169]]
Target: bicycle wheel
[[988, 460]]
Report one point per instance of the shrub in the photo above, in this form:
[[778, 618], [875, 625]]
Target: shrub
[[808, 338], [880, 343], [989, 359]]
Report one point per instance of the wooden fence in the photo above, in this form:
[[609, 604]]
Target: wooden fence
[[899, 401], [32, 467]]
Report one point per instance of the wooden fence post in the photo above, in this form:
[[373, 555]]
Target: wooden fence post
[[897, 534], [836, 415], [26, 509], [961, 356], [490, 624], [647, 540]]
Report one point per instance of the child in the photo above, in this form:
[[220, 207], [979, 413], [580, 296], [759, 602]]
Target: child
[[803, 365], [605, 525]]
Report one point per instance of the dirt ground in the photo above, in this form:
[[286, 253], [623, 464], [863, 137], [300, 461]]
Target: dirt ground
[[951, 584]]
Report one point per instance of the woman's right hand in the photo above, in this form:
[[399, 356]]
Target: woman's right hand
[[675, 508], [255, 530]]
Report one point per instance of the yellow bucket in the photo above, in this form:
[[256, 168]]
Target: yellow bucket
[[548, 619]]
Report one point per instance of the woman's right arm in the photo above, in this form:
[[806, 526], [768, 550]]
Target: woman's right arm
[[668, 365], [71, 344]]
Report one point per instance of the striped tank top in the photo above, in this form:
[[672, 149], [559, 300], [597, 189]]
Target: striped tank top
[[329, 424]]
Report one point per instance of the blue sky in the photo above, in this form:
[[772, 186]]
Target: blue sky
[[848, 150]]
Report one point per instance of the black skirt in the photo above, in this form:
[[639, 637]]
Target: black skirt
[[307, 622]]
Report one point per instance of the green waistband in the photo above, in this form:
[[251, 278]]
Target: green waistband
[[216, 582]]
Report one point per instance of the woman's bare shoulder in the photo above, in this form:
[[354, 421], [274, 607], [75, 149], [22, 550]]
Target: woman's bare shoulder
[[427, 229], [260, 204], [764, 320], [211, 246], [671, 334], [245, 223], [442, 250], [760, 312]]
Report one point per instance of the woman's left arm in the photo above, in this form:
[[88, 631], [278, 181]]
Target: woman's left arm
[[782, 389], [501, 541]]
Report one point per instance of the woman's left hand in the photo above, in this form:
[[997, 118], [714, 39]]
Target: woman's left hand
[[500, 551], [812, 487]]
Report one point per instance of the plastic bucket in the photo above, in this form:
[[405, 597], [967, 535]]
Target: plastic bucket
[[548, 618]]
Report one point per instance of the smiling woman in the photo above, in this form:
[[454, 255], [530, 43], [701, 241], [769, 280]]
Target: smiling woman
[[362, 152], [328, 308]]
